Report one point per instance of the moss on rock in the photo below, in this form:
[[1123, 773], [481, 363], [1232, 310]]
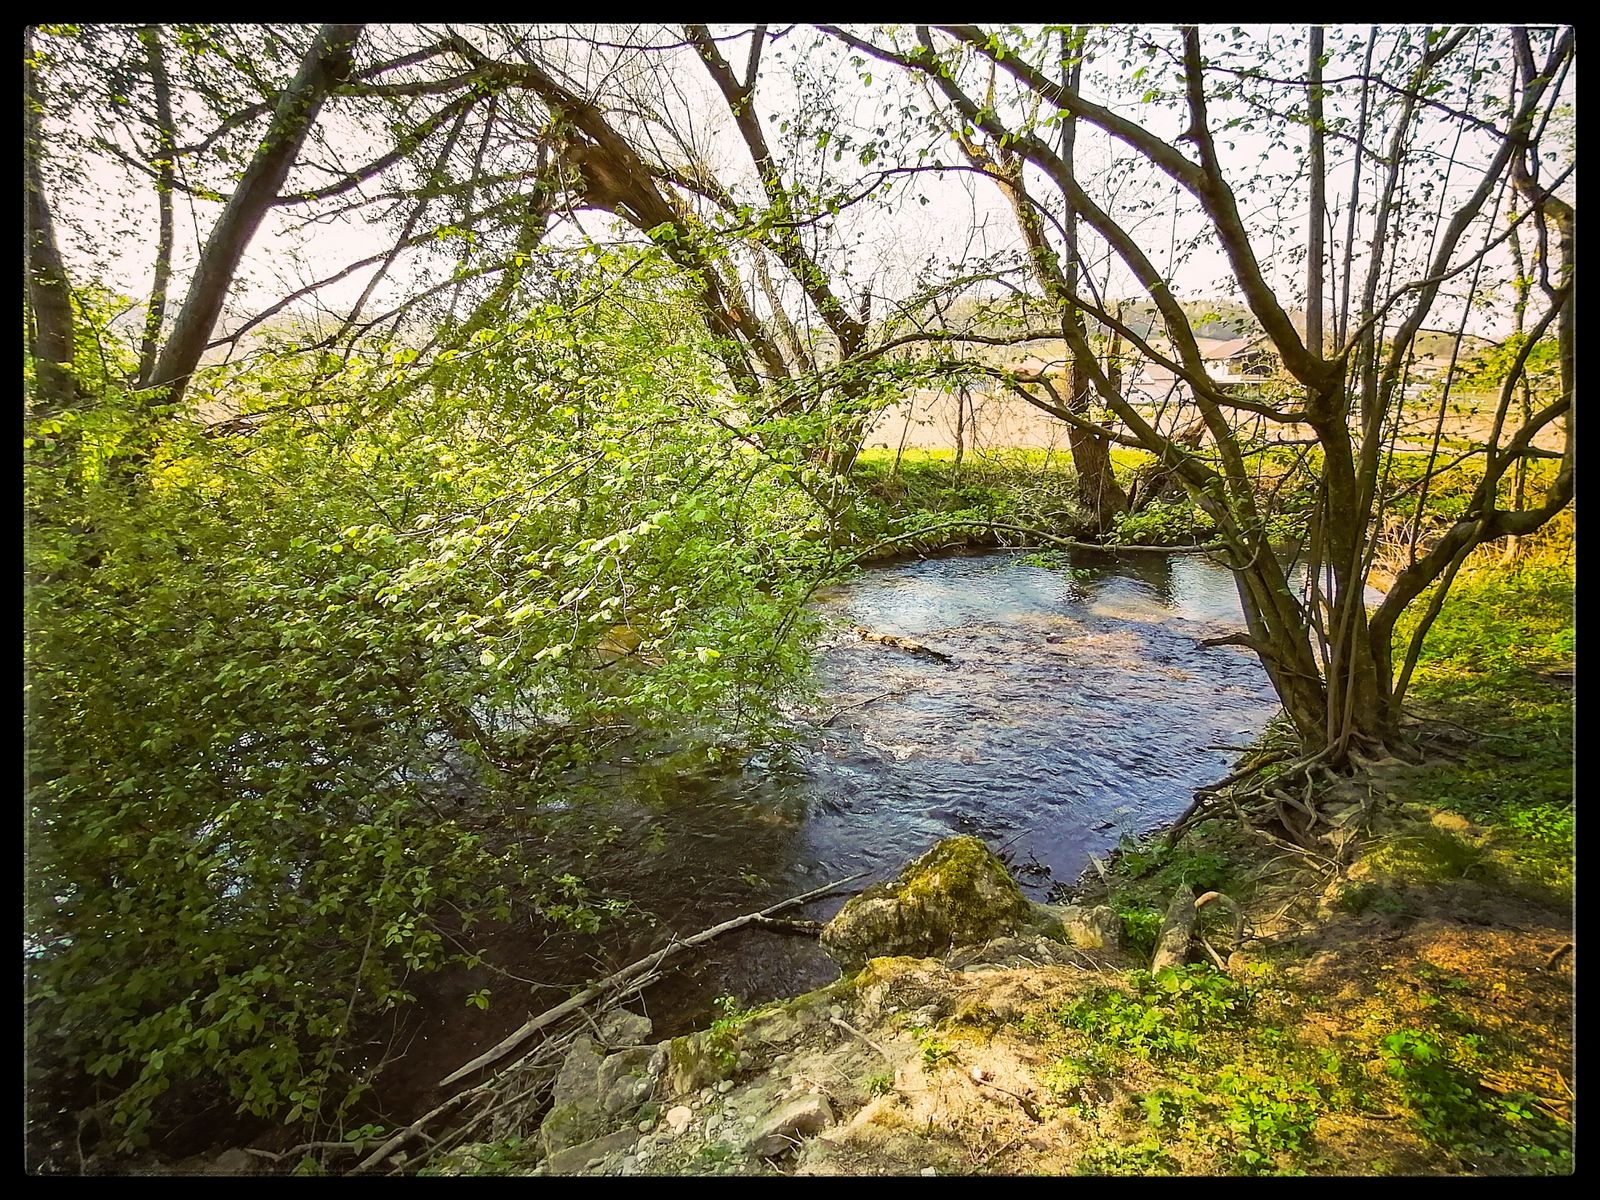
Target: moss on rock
[[957, 894]]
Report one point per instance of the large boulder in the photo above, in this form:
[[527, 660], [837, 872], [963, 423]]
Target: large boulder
[[957, 894]]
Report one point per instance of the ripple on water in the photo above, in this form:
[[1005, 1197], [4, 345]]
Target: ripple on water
[[1078, 707]]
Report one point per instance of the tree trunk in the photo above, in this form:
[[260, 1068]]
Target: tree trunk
[[326, 64], [166, 168], [48, 290]]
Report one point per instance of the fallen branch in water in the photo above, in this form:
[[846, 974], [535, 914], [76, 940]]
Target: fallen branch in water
[[788, 925], [838, 712], [614, 981], [902, 643]]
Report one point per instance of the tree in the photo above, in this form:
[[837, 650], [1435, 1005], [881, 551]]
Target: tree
[[1331, 662]]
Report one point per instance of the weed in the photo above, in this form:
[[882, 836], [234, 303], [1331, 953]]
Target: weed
[[1165, 1015], [714, 1154], [1146, 1157], [934, 1049], [1140, 929], [1358, 898], [1452, 1111]]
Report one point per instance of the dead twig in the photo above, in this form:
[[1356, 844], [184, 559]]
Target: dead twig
[[838, 712], [612, 982], [849, 1028]]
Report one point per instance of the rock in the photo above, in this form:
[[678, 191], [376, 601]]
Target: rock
[[774, 1028], [233, 1162], [910, 985], [783, 1128], [1097, 928], [575, 1158], [725, 1086], [646, 1126], [1177, 931], [695, 1061], [628, 1077], [957, 894], [576, 1114], [1010, 952], [619, 1027], [678, 1118], [568, 1125], [579, 1078], [930, 1171]]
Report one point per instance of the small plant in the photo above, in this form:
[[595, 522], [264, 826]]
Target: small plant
[[934, 1049], [1146, 1157], [1362, 896], [1165, 1015], [716, 1154], [1454, 1112], [1140, 929], [722, 1039], [880, 1084], [1163, 523]]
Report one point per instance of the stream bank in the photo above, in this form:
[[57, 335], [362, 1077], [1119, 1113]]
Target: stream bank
[[1406, 1011]]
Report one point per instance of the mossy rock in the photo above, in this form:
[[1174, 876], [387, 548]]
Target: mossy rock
[[698, 1060], [571, 1124], [957, 894]]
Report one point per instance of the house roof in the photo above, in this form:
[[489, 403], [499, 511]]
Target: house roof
[[1216, 350]]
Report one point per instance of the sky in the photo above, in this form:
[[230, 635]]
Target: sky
[[936, 223]]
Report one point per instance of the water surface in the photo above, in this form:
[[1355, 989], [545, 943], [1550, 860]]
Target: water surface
[[1077, 706]]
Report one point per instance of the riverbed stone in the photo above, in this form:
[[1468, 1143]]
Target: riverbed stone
[[1011, 952], [957, 894], [578, 1081], [619, 1027], [628, 1078], [571, 1124], [575, 1158], [698, 1060], [678, 1118], [782, 1128]]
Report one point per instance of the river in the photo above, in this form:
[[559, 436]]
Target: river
[[1077, 706]]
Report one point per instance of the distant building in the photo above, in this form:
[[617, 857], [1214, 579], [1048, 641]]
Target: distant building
[[1241, 359]]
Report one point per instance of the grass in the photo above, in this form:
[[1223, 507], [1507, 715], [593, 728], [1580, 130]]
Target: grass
[[1435, 1046], [1030, 488]]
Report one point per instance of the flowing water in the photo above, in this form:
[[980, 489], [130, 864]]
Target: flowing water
[[1077, 706]]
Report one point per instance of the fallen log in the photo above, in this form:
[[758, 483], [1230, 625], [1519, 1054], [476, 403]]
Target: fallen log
[[620, 978], [902, 643]]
